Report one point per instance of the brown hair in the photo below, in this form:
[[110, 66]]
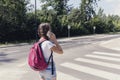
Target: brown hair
[[43, 29]]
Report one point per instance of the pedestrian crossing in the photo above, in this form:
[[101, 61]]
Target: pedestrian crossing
[[107, 54], [101, 59], [100, 63], [63, 76], [11, 73], [96, 58], [92, 71]]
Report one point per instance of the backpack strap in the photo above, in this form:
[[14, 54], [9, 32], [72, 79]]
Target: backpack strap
[[52, 63], [51, 57], [39, 43]]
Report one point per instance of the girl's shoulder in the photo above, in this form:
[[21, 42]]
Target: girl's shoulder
[[48, 42]]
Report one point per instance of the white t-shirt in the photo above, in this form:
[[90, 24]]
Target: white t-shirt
[[46, 48]]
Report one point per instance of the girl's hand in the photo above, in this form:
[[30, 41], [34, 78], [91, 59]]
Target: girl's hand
[[52, 37]]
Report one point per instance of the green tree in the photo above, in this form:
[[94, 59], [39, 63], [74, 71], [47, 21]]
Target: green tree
[[60, 6], [87, 8], [12, 19], [99, 21], [87, 11], [59, 14]]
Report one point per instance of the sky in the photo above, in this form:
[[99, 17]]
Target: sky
[[111, 7]]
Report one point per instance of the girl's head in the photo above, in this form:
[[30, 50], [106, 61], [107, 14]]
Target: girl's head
[[43, 29]]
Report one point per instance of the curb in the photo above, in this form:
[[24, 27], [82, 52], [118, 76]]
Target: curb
[[13, 45], [60, 40]]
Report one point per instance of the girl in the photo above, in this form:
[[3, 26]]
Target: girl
[[50, 44]]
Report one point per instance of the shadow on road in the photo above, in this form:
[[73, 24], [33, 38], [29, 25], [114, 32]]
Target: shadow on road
[[3, 54], [5, 59]]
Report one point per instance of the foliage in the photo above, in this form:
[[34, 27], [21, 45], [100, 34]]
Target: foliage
[[17, 23], [55, 12], [12, 19]]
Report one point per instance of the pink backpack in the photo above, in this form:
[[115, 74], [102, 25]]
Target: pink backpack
[[36, 58]]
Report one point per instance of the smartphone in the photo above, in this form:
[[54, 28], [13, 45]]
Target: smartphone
[[48, 34]]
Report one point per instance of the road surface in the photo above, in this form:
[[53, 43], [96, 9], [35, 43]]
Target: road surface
[[84, 58]]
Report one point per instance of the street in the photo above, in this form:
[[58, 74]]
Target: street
[[84, 58]]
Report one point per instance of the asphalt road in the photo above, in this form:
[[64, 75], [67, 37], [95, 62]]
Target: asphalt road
[[83, 59]]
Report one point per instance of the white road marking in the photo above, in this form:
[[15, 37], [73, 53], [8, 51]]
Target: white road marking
[[11, 73], [12, 51], [63, 76], [108, 54], [103, 57], [116, 48], [60, 75], [92, 71], [22, 64], [110, 65]]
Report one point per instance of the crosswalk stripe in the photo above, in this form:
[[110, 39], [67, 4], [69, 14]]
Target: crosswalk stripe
[[108, 54], [12, 73], [110, 65], [116, 48], [103, 57], [92, 71], [63, 76], [60, 75]]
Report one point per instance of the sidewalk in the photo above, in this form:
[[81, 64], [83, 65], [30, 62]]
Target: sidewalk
[[113, 44]]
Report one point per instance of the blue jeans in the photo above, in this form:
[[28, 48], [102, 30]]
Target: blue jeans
[[47, 74]]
